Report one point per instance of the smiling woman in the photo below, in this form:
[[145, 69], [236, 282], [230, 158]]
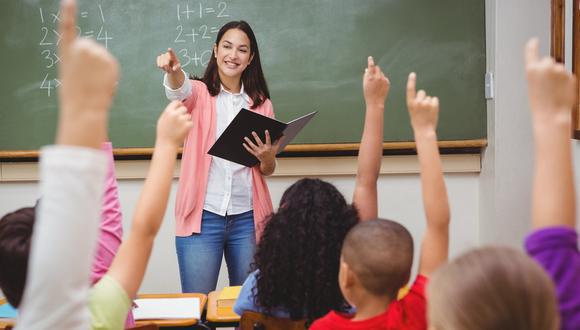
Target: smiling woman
[[220, 205]]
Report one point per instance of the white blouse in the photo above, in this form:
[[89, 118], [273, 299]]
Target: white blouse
[[229, 187]]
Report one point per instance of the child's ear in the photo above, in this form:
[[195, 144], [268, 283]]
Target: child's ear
[[350, 277]]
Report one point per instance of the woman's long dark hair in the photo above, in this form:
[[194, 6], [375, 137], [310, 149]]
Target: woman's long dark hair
[[252, 77], [298, 255]]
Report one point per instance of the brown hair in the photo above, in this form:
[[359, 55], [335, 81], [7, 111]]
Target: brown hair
[[492, 288], [15, 235], [380, 253]]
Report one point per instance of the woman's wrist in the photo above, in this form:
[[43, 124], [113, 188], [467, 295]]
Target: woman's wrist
[[268, 165]]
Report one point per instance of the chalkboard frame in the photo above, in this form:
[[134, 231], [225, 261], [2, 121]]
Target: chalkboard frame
[[296, 150], [558, 49]]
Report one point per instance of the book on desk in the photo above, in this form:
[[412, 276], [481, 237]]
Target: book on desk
[[167, 308], [227, 298]]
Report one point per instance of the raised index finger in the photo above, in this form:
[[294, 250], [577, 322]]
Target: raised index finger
[[411, 87], [371, 64], [531, 52], [172, 55], [67, 25]]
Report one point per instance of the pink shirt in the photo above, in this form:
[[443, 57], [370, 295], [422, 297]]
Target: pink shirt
[[111, 226], [195, 163]]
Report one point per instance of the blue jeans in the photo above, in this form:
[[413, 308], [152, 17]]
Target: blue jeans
[[200, 255]]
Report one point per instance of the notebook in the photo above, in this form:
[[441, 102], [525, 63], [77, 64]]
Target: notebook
[[166, 308], [229, 145]]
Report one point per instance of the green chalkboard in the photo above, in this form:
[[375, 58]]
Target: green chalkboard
[[313, 53]]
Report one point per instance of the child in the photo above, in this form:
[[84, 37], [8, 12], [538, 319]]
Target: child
[[57, 286], [377, 255], [16, 231], [122, 281], [220, 205], [554, 241], [500, 288], [110, 298], [492, 288], [298, 255]]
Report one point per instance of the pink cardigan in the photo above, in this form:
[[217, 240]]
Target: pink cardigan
[[195, 164]]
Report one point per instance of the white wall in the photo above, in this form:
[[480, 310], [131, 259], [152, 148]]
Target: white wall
[[507, 163], [507, 166], [400, 200]]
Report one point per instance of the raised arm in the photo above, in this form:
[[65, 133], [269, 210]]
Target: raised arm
[[71, 183], [424, 112], [551, 93], [376, 88], [129, 265]]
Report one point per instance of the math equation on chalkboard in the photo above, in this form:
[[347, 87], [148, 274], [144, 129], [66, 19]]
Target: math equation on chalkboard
[[197, 23], [49, 39], [190, 27]]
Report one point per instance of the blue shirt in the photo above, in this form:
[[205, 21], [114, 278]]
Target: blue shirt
[[246, 300]]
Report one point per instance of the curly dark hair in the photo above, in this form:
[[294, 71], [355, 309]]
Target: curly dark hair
[[298, 255]]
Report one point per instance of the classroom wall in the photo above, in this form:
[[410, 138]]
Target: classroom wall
[[490, 207], [399, 193], [507, 163]]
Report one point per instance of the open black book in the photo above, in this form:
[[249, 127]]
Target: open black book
[[229, 144]]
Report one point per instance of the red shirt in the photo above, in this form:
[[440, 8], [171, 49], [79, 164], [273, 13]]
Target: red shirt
[[407, 313]]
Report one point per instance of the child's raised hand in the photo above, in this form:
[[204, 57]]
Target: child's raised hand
[[551, 88], [169, 62], [375, 84], [174, 124], [88, 72], [423, 109]]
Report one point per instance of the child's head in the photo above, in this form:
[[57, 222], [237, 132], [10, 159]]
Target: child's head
[[377, 256], [492, 288], [15, 235], [298, 254], [236, 55]]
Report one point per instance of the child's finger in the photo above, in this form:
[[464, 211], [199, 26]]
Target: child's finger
[[420, 95], [175, 104], [67, 25], [411, 86], [370, 62], [436, 102], [371, 65], [531, 52]]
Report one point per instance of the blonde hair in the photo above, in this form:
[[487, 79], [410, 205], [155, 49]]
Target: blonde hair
[[492, 288]]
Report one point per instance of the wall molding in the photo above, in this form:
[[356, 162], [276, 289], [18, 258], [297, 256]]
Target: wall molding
[[287, 167]]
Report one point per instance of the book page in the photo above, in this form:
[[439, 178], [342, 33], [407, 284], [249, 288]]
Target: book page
[[166, 308]]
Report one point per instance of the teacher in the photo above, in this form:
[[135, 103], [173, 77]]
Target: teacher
[[220, 205]]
